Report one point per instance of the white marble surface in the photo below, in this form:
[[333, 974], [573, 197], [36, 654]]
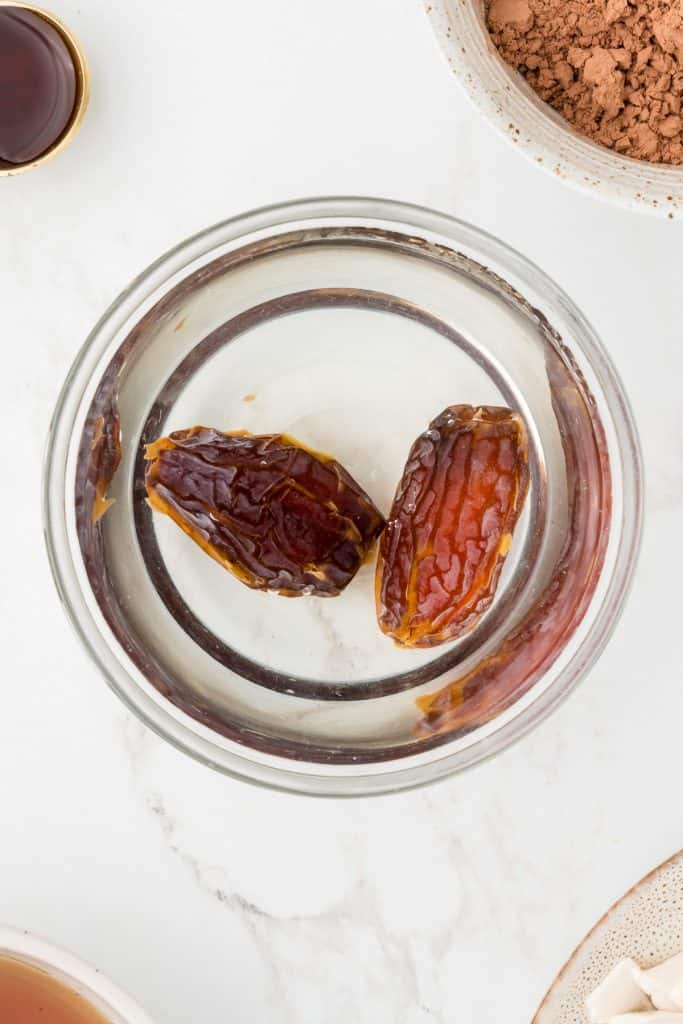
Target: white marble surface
[[209, 900]]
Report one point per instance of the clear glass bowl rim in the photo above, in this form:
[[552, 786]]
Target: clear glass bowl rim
[[167, 723]]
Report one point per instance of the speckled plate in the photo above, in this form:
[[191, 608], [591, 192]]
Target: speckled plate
[[645, 924]]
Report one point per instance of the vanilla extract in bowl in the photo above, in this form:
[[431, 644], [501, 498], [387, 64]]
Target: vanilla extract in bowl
[[29, 994]]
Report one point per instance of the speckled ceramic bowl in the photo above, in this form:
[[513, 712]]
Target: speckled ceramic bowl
[[542, 134], [646, 924]]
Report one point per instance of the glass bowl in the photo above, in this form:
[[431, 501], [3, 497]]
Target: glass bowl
[[350, 324], [538, 131]]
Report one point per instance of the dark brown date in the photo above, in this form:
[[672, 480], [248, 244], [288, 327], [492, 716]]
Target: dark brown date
[[451, 524], [276, 514], [105, 456]]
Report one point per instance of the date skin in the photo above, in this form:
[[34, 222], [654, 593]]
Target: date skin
[[532, 647], [451, 524], [105, 457], [279, 516]]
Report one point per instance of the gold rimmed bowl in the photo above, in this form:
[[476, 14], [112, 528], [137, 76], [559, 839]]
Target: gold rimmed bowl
[[82, 91]]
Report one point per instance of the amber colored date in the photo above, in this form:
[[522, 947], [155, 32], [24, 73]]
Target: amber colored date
[[451, 524], [276, 514], [532, 647]]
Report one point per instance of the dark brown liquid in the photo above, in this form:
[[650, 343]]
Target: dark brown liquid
[[30, 996], [37, 86]]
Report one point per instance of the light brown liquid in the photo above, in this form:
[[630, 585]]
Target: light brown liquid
[[30, 996]]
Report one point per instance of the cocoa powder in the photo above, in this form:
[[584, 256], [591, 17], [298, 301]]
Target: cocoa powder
[[612, 68]]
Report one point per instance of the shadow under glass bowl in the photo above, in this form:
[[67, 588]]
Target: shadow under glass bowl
[[348, 323]]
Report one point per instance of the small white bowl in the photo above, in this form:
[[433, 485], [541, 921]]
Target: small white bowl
[[540, 132], [114, 1005]]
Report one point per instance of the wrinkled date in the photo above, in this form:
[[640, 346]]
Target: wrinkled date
[[105, 457], [451, 524], [530, 649], [279, 516]]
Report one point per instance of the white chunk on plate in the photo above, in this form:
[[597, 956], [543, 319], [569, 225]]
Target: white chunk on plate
[[647, 1017], [664, 984], [618, 993]]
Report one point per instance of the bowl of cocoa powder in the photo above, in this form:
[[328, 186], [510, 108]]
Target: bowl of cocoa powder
[[592, 90]]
